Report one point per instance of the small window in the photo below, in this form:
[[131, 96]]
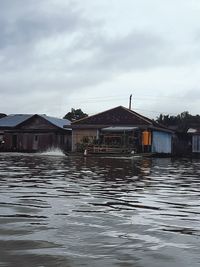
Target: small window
[[36, 138]]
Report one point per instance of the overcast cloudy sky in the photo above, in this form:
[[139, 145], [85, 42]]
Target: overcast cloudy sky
[[92, 54]]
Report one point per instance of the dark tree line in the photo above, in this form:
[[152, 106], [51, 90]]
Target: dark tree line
[[181, 122]]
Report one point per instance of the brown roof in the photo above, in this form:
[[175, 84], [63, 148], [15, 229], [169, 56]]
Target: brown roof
[[116, 116]]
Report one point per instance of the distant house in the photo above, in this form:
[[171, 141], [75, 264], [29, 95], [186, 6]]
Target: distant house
[[181, 144], [120, 130], [194, 133], [32, 133]]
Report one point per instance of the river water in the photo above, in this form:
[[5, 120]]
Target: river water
[[95, 212]]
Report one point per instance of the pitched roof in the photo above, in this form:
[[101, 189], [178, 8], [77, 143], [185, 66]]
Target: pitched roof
[[118, 116], [56, 121], [14, 120], [115, 116]]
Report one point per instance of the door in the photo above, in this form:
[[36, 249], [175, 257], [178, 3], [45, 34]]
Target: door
[[35, 142], [14, 142]]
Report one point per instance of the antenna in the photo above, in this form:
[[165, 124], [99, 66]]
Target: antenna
[[130, 101]]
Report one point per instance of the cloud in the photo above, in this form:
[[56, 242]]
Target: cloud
[[32, 24], [55, 48], [36, 45], [192, 94], [133, 51], [43, 50]]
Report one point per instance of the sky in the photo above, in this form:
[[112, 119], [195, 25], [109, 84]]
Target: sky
[[61, 54]]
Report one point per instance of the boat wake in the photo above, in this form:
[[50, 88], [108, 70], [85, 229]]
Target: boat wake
[[53, 152]]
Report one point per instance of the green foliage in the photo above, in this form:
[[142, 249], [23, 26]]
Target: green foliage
[[181, 122], [80, 147], [75, 114], [85, 140], [83, 144]]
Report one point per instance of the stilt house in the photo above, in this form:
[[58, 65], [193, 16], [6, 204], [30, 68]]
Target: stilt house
[[120, 130], [33, 133]]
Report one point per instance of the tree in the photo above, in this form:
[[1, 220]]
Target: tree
[[182, 121], [75, 114]]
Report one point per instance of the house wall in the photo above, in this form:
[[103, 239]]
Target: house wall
[[36, 134], [79, 134], [33, 142], [38, 123], [196, 143], [182, 145], [162, 142]]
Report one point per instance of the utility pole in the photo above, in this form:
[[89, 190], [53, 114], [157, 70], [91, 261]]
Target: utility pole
[[130, 101]]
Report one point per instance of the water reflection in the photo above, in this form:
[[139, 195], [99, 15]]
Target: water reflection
[[71, 211]]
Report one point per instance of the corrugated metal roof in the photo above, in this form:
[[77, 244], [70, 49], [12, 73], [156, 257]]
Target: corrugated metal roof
[[118, 129], [58, 122], [14, 120], [11, 121], [193, 131]]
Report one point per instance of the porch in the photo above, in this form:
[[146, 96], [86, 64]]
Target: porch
[[116, 140]]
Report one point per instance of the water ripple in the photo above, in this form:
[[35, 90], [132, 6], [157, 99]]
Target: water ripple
[[62, 211]]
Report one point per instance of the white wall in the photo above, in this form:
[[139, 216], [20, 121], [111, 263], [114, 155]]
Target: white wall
[[196, 144]]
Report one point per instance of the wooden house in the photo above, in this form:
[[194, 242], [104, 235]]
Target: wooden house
[[34, 133], [181, 144], [120, 130]]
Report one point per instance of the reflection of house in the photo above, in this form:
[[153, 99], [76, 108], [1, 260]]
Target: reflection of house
[[31, 133], [120, 130]]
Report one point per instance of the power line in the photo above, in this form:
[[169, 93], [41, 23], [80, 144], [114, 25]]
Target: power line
[[154, 111], [110, 98], [121, 97]]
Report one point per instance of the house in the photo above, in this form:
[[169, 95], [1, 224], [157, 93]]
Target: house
[[33, 132], [194, 134], [181, 144], [120, 130]]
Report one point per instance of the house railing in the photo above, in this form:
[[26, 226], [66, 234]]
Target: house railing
[[106, 149]]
